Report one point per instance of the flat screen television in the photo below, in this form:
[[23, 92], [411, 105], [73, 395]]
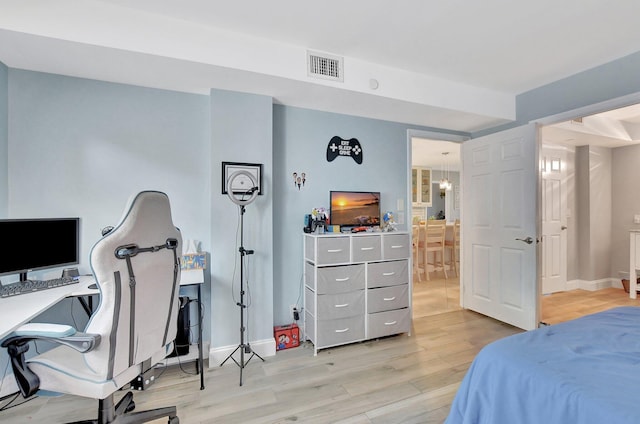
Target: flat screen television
[[39, 243], [354, 208]]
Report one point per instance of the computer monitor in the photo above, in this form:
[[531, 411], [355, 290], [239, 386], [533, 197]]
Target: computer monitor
[[39, 243]]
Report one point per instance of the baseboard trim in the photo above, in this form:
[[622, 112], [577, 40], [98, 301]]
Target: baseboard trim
[[594, 285], [264, 348]]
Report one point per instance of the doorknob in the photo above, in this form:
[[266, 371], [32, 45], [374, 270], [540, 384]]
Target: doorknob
[[527, 240], [564, 227]]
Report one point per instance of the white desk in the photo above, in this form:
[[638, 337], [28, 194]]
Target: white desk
[[20, 309]]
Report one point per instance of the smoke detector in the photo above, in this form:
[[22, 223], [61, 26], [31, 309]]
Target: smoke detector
[[325, 66]]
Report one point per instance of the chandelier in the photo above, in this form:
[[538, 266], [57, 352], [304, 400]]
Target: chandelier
[[445, 181]]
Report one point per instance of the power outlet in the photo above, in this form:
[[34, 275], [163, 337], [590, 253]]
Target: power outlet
[[294, 312]]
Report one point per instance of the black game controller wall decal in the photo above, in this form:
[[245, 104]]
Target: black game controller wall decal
[[341, 147]]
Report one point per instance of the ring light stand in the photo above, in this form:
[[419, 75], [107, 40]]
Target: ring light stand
[[238, 197]]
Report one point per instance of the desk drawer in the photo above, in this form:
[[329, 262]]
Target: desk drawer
[[382, 274], [340, 279], [387, 298], [341, 305], [366, 248]]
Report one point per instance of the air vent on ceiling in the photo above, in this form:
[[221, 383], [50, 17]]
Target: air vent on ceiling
[[322, 65], [577, 121]]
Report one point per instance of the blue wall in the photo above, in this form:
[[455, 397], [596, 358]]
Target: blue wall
[[301, 137], [610, 81], [81, 147], [242, 131], [605, 82]]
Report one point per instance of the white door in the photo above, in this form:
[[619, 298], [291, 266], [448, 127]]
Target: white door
[[553, 166], [499, 226]]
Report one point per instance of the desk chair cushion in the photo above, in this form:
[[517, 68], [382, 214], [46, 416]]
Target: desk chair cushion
[[65, 368], [135, 322]]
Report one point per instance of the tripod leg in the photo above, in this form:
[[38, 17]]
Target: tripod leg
[[230, 356]]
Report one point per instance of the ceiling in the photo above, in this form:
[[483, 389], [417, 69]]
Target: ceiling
[[455, 65]]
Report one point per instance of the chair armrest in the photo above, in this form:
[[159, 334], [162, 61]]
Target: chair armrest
[[17, 345]]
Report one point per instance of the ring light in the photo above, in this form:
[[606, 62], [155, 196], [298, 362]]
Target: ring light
[[251, 185]]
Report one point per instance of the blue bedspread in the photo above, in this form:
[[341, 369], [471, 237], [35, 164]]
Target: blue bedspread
[[582, 371]]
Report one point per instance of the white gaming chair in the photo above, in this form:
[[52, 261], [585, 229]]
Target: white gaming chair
[[137, 270]]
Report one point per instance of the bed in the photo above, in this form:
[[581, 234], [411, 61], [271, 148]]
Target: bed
[[582, 371]]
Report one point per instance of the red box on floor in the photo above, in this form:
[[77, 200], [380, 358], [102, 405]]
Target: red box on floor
[[286, 336]]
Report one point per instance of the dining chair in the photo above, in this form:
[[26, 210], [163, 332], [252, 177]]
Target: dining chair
[[417, 245], [454, 246], [435, 231]]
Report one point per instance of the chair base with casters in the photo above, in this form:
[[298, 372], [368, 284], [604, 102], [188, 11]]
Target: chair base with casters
[[28, 382], [121, 413]]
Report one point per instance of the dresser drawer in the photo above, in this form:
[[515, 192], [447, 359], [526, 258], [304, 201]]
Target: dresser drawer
[[309, 301], [387, 298], [341, 305], [340, 279], [387, 323], [333, 250], [396, 246], [338, 331], [382, 274], [310, 275], [366, 248], [310, 328]]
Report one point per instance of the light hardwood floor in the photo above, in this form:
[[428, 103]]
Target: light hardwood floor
[[401, 379]]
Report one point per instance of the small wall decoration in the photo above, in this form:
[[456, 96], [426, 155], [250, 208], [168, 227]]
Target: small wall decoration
[[346, 148], [241, 184], [299, 180]]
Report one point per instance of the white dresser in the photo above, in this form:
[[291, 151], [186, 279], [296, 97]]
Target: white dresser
[[356, 287]]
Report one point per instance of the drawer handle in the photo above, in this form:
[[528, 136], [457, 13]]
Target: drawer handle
[[391, 323], [342, 279], [388, 299], [342, 305], [334, 250], [366, 248], [387, 274], [343, 331], [397, 246]]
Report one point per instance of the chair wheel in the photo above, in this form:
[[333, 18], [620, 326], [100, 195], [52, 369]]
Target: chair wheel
[[174, 420]]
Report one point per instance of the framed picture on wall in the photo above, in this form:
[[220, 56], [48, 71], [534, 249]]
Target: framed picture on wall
[[242, 183]]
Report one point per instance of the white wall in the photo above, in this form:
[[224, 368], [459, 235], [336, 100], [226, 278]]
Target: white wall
[[625, 189]]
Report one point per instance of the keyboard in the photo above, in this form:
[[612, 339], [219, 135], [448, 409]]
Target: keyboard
[[30, 286]]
